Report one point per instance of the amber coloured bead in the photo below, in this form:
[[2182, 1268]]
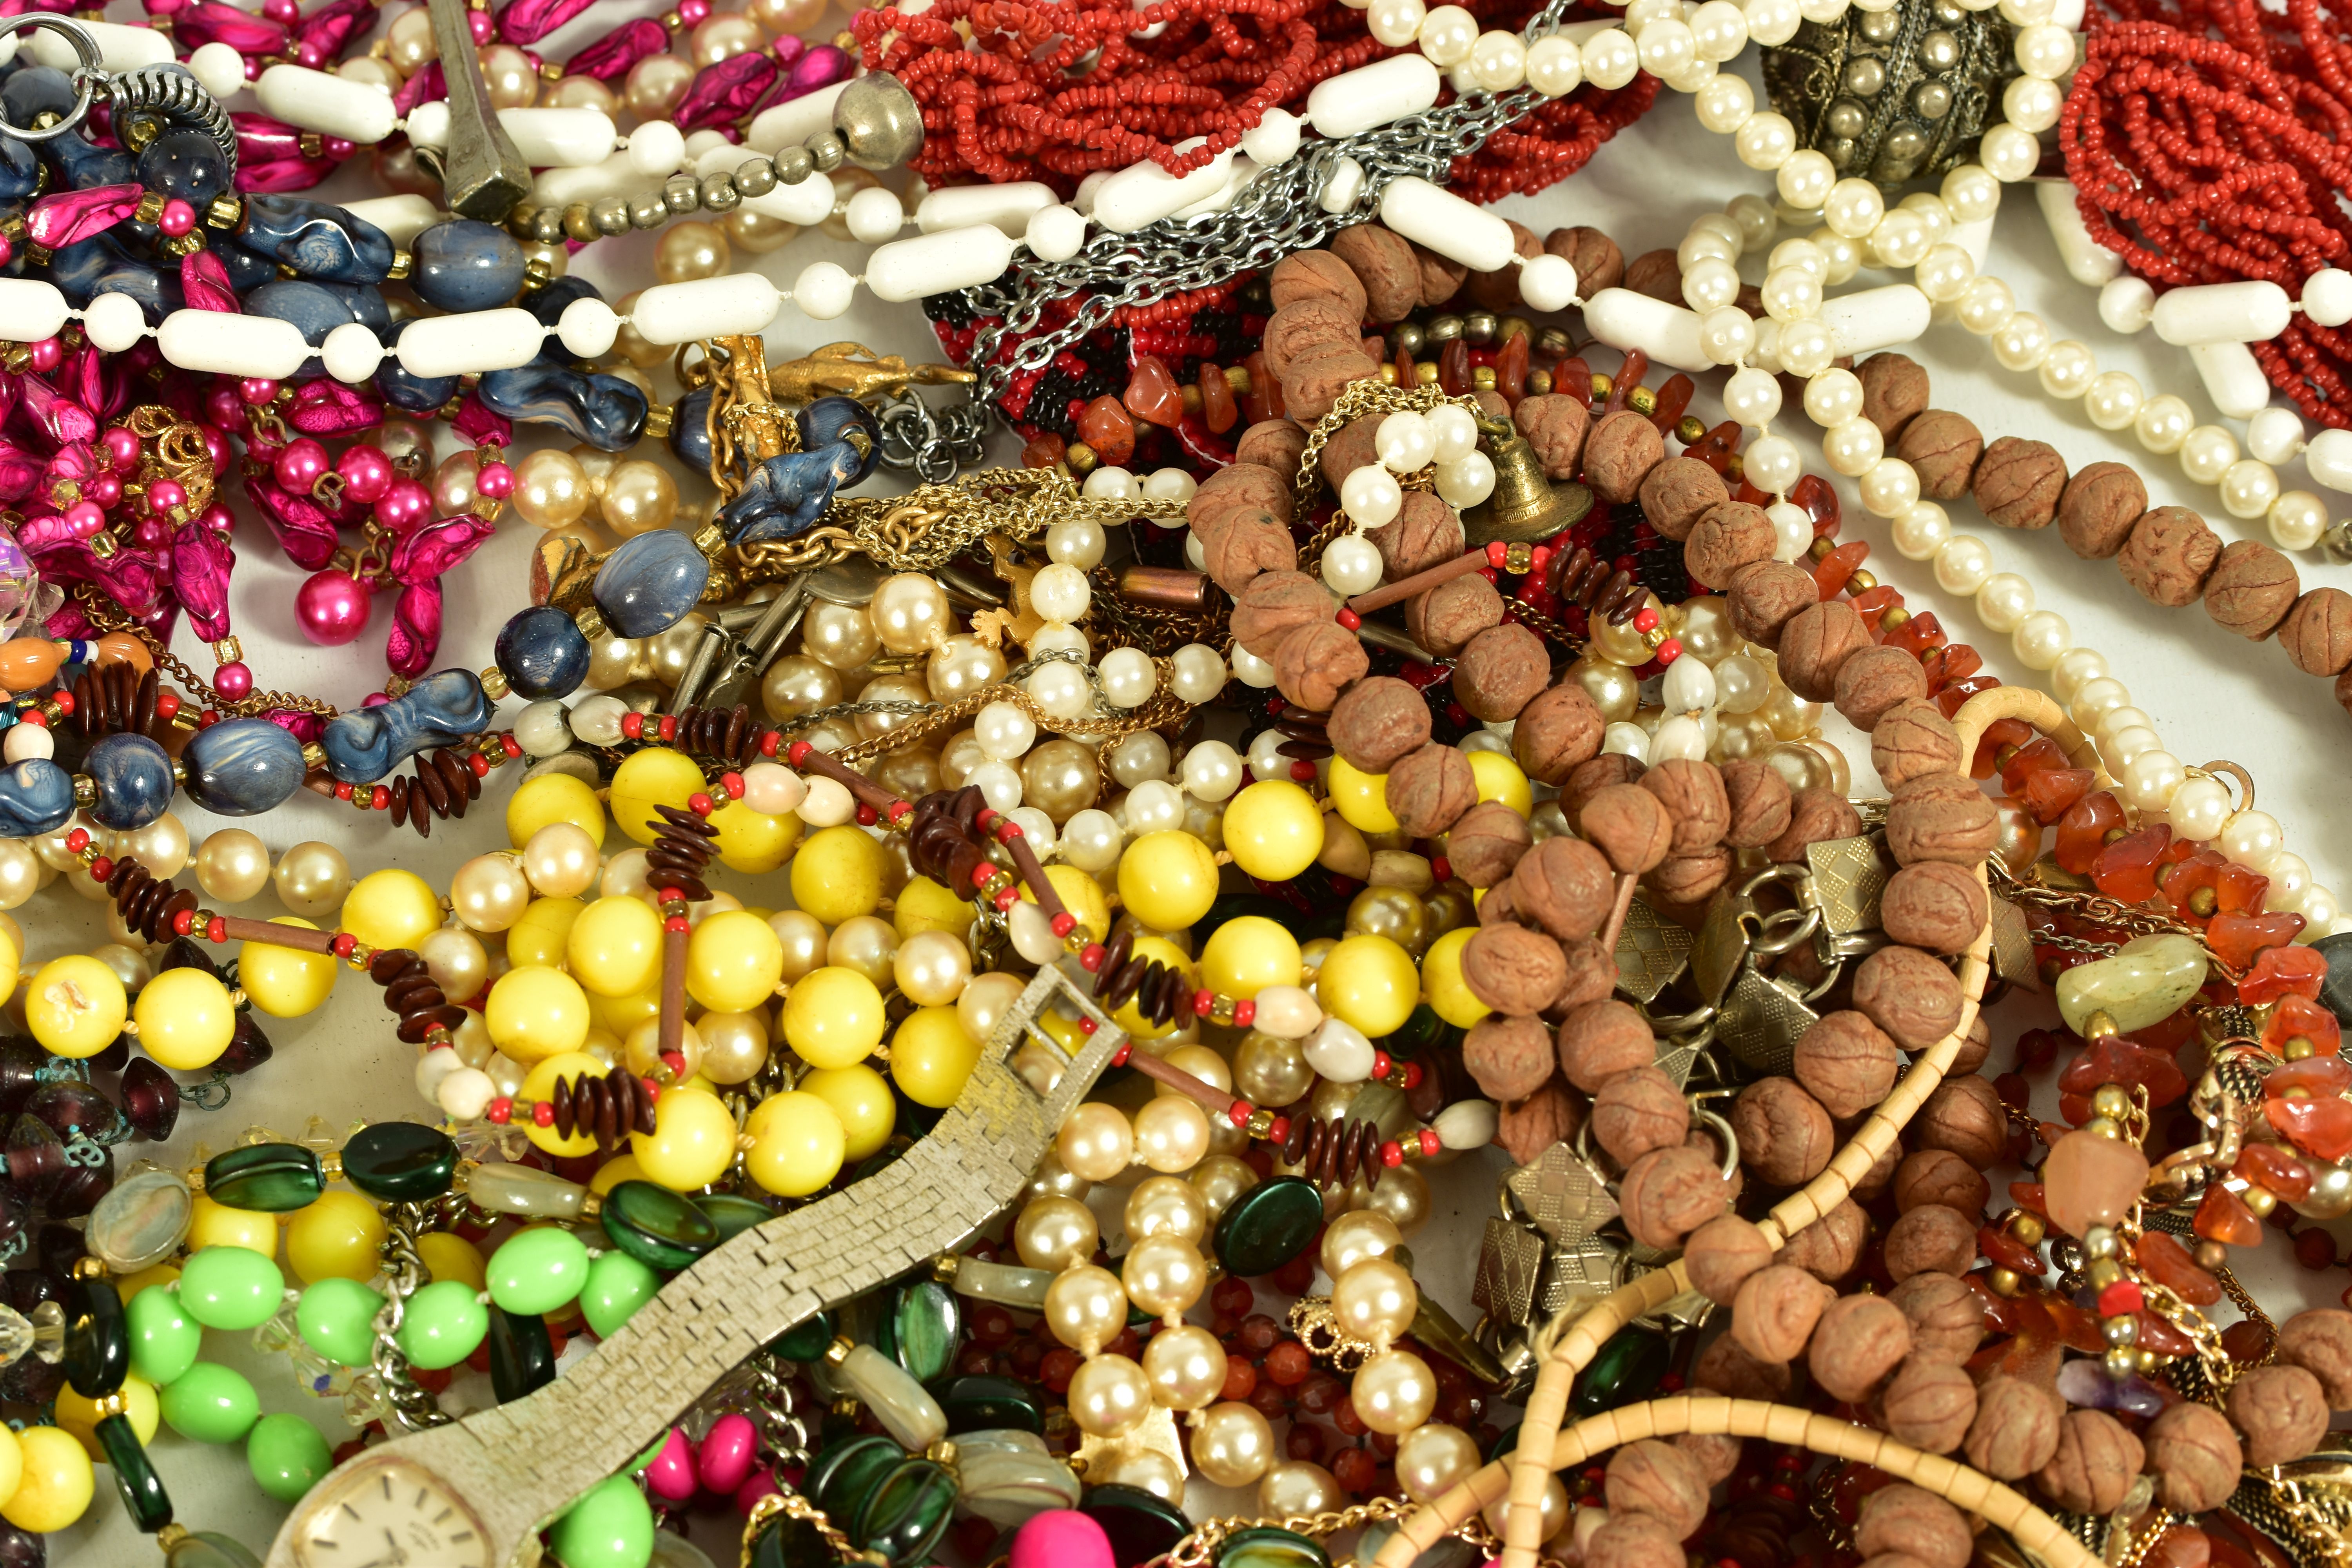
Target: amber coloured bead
[[2168, 1263], [2082, 831], [2297, 1019], [1218, 409], [2282, 972], [1106, 425], [2223, 1217], [1152, 395]]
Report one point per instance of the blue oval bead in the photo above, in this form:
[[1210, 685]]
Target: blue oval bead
[[603, 410], [246, 270], [439, 711], [84, 164], [542, 653], [316, 239], [31, 91], [689, 430], [314, 308], [830, 419], [243, 767], [648, 585], [36, 798], [464, 265], [184, 162], [133, 775], [20, 172]]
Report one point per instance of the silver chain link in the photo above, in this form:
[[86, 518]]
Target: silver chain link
[[406, 1274]]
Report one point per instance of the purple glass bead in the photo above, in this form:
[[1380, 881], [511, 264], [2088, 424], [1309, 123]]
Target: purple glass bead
[[821, 67], [528, 21], [69, 217], [334, 25], [2084, 1383], [150, 1100], [213, 22]]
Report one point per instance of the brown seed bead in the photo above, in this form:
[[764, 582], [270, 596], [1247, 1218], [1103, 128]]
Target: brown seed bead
[[1759, 801], [1590, 778], [1815, 817], [1894, 391], [1860, 1342], [1721, 1255], [1846, 1062], [1310, 326], [1513, 969], [1975, 1050], [1656, 1480], [1548, 1116], [1940, 817], [1316, 663], [1486, 843], [1276, 604], [2193, 1455], [1947, 1316], [1426, 532], [2252, 589], [1276, 444], [1384, 264], [1929, 1404], [1916, 1523], [1499, 289], [1785, 1136], [1598, 263], [1444, 619], [1318, 375], [1619, 455], [1557, 732], [1639, 1110], [1966, 1117], [1716, 1454], [1592, 972], [1355, 444], [1429, 789], [1634, 1542], [1316, 274], [1688, 881], [1909, 994], [2017, 482], [1555, 426], [1500, 672], [1942, 448], [1678, 492], [2320, 1342], [2097, 1462], [1441, 277], [1911, 740], [1774, 1311], [1627, 824], [1601, 1039], [2281, 1412], [1830, 1247], [1930, 1236], [1880, 1175], [1669, 1192], [1815, 646], [1766, 596], [2317, 633], [1876, 680], [1725, 1367], [1237, 490], [1244, 545], [1564, 886], [1378, 723], [1939, 1176], [1933, 905], [1692, 792], [1509, 1059], [2100, 505], [1726, 537], [1656, 273], [2168, 556]]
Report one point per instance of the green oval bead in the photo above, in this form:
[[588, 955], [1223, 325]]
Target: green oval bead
[[925, 1323], [230, 1287], [537, 1271], [733, 1214], [791, 1543], [1142, 1525], [336, 1318], [211, 1404], [135, 1481], [164, 1341], [442, 1325], [1625, 1371], [98, 1339], [979, 1401], [907, 1512], [617, 1286], [276, 1178], [522, 1354], [657, 1227], [805, 1341], [1266, 1547], [1267, 1227], [287, 1454], [400, 1161], [610, 1527], [842, 1476]]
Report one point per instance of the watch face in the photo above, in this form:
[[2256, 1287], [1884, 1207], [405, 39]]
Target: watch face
[[388, 1513]]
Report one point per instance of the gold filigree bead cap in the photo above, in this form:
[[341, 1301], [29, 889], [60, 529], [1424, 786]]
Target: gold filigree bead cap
[[878, 121]]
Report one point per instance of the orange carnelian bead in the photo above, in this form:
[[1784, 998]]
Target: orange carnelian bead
[[2318, 1126], [2032, 757], [1820, 502], [1916, 636], [1043, 452], [1571, 377], [2000, 736], [1511, 373], [1872, 603], [1956, 661], [2126, 870], [122, 648], [2267, 1165], [1218, 409], [2051, 793], [1628, 377], [2170, 1265], [1453, 368], [1715, 448], [1108, 427], [2223, 1217], [1831, 573], [2297, 1019], [1954, 697], [1263, 399], [2239, 890], [1673, 398], [2236, 939], [2284, 972], [2323, 1076], [1151, 392]]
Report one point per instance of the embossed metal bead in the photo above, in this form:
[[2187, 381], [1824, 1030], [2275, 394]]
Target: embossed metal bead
[[682, 191], [1931, 100], [1847, 118], [1903, 146], [579, 223], [547, 226], [794, 165], [1880, 26], [756, 177], [1940, 51], [648, 211], [610, 215], [877, 121], [719, 193], [1865, 76], [827, 149]]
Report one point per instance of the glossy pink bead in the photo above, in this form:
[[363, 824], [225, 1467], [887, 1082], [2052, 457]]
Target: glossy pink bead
[[7, 251], [404, 505], [217, 447], [337, 148], [234, 681], [308, 53], [367, 473], [162, 7], [483, 27], [671, 1474], [748, 1496], [300, 466], [122, 446], [105, 489], [693, 12], [47, 354], [85, 518], [218, 518], [256, 390], [224, 409], [332, 607], [495, 480], [176, 218], [282, 10], [1062, 1538], [729, 1450], [164, 495]]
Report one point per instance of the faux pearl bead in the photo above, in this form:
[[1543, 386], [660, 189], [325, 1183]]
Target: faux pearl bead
[[1804, 180], [2128, 745], [1987, 307], [1773, 464], [2320, 914], [1371, 496], [1854, 208], [1710, 283], [2252, 839], [2207, 452], [2003, 601], [2009, 152], [1921, 532], [2045, 51], [1395, 23], [2078, 668], [1499, 62], [1833, 397], [1970, 193], [1901, 240], [1801, 254], [1752, 396], [1792, 531], [2297, 519], [2290, 877], [1853, 446], [2095, 698], [1727, 335], [1611, 61], [1763, 144], [2163, 423], [1806, 347], [2249, 487], [2116, 721], [2068, 369], [1963, 564], [2150, 778], [2113, 400], [1791, 295], [1945, 272], [2199, 808], [2041, 638], [1890, 489], [1724, 105], [2032, 103], [1448, 34], [2024, 343]]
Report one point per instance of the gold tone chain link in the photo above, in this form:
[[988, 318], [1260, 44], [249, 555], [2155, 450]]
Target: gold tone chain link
[[1356, 400], [791, 1505], [924, 530], [106, 618], [2099, 910]]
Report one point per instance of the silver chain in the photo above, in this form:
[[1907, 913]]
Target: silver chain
[[932, 445], [406, 1274]]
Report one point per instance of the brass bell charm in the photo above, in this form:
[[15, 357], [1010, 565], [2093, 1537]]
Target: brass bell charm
[[1526, 508]]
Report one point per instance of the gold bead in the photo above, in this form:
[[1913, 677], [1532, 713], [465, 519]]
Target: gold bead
[[2260, 1200], [2145, 1359], [1600, 386], [1861, 582], [1819, 549], [1641, 400], [1081, 458], [1690, 430], [2211, 1255], [2103, 1272], [2004, 1281], [2098, 1027], [2122, 1361], [2103, 1127], [2109, 1099], [2026, 1226], [2120, 1330], [2298, 1047], [1895, 615]]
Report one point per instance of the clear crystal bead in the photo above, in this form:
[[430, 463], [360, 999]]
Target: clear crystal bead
[[254, 1136], [278, 1332], [16, 1336], [49, 1325], [319, 1138], [365, 1402]]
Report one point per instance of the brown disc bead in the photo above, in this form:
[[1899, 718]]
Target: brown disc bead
[[1635, 1541], [1309, 326], [1276, 604], [1966, 1117], [1548, 1116], [1598, 1040], [1591, 972], [1442, 277], [1692, 794], [1355, 444], [1588, 778], [1598, 263], [1725, 1367], [1688, 881], [1657, 273], [2317, 632], [1319, 374], [1384, 263], [1276, 444], [1244, 545]]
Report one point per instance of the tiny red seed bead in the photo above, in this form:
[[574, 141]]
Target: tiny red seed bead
[[1429, 1143], [65, 702], [1279, 1133], [1240, 1112], [800, 751], [701, 804], [1391, 1154], [507, 743], [1119, 1057], [1203, 1001], [1005, 899], [981, 873], [675, 922], [633, 725], [543, 1113], [102, 869], [1302, 769], [183, 922], [1064, 923], [1670, 650], [770, 741], [1497, 554], [343, 792], [1091, 957], [500, 1109], [78, 840], [669, 727], [343, 944], [1085, 1026], [733, 784], [1244, 1013], [1348, 618], [382, 799], [217, 931], [866, 816]]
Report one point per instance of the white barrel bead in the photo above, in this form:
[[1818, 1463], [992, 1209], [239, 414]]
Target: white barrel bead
[[120, 47], [738, 304], [2233, 377], [938, 263], [33, 309], [790, 125], [1373, 95], [2086, 261], [2274, 435], [2328, 459], [1876, 319], [471, 343], [2248, 312], [657, 149], [225, 344], [1433, 216], [807, 204], [114, 322], [1274, 140], [1624, 320], [1056, 232], [351, 354], [401, 218], [1009, 207], [330, 105], [218, 69], [1145, 193], [617, 175]]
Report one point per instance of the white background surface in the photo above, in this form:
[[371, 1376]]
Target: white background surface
[[2213, 695]]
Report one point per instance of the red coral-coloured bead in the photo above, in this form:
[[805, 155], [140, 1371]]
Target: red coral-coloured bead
[[1085, 1026], [499, 1110], [2121, 1300], [102, 869], [1244, 1013], [2082, 831], [1391, 1154], [507, 743], [1916, 636], [2322, 1128], [866, 816], [771, 742], [1152, 393], [381, 799], [669, 726], [633, 725], [2126, 870], [1645, 619], [2051, 793], [78, 840], [216, 930], [2284, 972], [1090, 958], [542, 1113], [1454, 367], [343, 944], [675, 924], [1064, 923], [1715, 447], [2294, 1018], [2223, 1217], [1044, 451], [1278, 1133], [2170, 1265], [1218, 409], [701, 804], [1107, 427], [1670, 650], [732, 783]]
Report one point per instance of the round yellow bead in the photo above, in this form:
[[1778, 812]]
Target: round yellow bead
[[129, 1285], [555, 797], [798, 1145], [1081, 895], [931, 1055], [656, 776], [692, 1143], [75, 1007], [543, 938], [217, 1225], [286, 982], [861, 1098], [450, 1257], [10, 959], [833, 1017], [1441, 977], [1274, 829], [753, 840], [837, 874], [617, 1015], [1130, 1016], [1500, 778], [1168, 879], [185, 1019], [1369, 981], [923, 905], [80, 1415], [614, 948], [621, 1167], [1247, 955], [392, 909], [1360, 798], [535, 1013], [539, 1084], [1063, 1032], [11, 1465], [339, 1237], [54, 1484], [733, 961]]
